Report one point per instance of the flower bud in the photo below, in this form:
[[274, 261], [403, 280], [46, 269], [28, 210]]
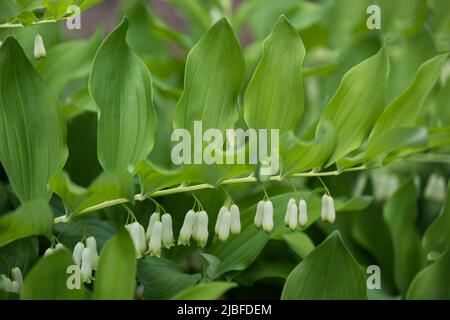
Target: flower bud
[[293, 217], [17, 275], [91, 244], [324, 210], [219, 219], [224, 228], [331, 215], [235, 219], [49, 251], [288, 211], [59, 246], [302, 213], [77, 251], [268, 216], [153, 218], [15, 287], [167, 231], [39, 48], [202, 228], [259, 216], [187, 228], [154, 246], [6, 283], [137, 233], [86, 266]]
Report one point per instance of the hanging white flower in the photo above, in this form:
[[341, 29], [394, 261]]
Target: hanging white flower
[[15, 287], [331, 214], [302, 213], [6, 283], [435, 189], [201, 228], [259, 216], [268, 216], [293, 217], [39, 48], [154, 246], [324, 209], [77, 252], [235, 227], [288, 211], [153, 218], [17, 276], [219, 219], [48, 252], [86, 266], [59, 246], [167, 231], [91, 244], [137, 234], [187, 228], [224, 228]]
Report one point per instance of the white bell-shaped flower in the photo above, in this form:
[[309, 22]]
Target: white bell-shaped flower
[[435, 189], [39, 48], [17, 275], [137, 234], [219, 219], [49, 251], [187, 228], [268, 216], [59, 246], [6, 283], [235, 227], [302, 213], [202, 228], [224, 228], [324, 209], [288, 211], [91, 244], [77, 251], [86, 266], [153, 218], [293, 217], [154, 246], [167, 231], [331, 214], [259, 216], [15, 287]]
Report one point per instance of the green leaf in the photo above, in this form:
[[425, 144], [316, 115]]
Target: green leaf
[[21, 253], [205, 291], [353, 204], [33, 130], [329, 272], [47, 280], [299, 242], [400, 214], [357, 103], [433, 282], [32, 218], [274, 98], [162, 279], [437, 238], [405, 109], [121, 85], [265, 270], [68, 61], [116, 274], [112, 187], [214, 76]]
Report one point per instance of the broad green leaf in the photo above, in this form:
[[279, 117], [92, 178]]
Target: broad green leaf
[[121, 85], [298, 156], [329, 272], [299, 242], [214, 76], [112, 187], [32, 218], [400, 214], [405, 109], [274, 98], [205, 291], [162, 279], [353, 204], [433, 282], [21, 253], [68, 61], [437, 237], [357, 103], [47, 280], [116, 274], [32, 130], [265, 270]]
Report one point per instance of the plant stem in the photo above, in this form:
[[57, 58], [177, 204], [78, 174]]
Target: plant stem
[[203, 186], [19, 25]]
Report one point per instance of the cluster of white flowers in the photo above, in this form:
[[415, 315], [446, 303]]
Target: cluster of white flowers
[[51, 250], [328, 214], [39, 48], [384, 185], [264, 215], [228, 220], [195, 226], [435, 189], [86, 257], [14, 285], [296, 215], [159, 233]]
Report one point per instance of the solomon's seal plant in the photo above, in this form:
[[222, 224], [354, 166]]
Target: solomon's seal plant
[[275, 148]]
